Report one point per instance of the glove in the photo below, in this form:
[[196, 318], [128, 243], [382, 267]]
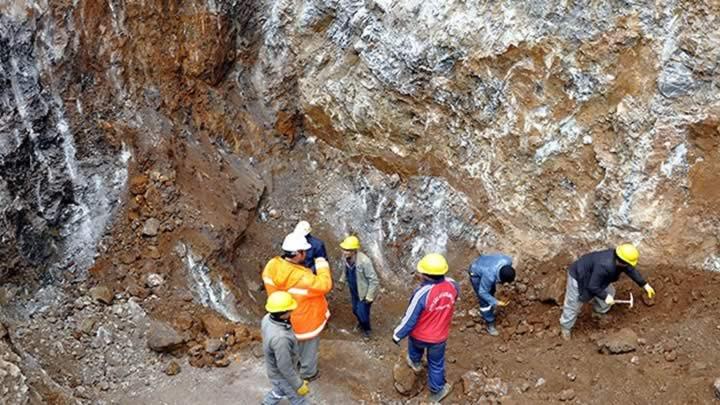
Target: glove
[[650, 291], [610, 300], [502, 303], [397, 342], [321, 263], [304, 389]]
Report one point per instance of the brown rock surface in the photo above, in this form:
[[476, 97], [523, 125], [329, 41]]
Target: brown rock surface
[[161, 337], [622, 341]]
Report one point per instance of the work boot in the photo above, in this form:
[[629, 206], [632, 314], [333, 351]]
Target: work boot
[[416, 367], [565, 333], [492, 330], [367, 335], [440, 395]]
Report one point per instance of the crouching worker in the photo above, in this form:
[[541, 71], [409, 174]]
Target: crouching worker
[[591, 278], [281, 351], [485, 273], [427, 322]]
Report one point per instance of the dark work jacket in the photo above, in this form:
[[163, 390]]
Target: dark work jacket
[[595, 271], [317, 250]]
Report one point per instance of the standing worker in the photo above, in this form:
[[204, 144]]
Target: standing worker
[[427, 322], [281, 351], [361, 279], [591, 277], [485, 273], [317, 246], [287, 273]]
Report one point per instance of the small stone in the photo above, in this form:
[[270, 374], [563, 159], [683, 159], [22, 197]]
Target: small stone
[[635, 360], [222, 362], [173, 368], [716, 386], [257, 351], [502, 348], [102, 294], [623, 341], [154, 280], [87, 325], [3, 331], [184, 321], [104, 386], [525, 387], [151, 227], [540, 382], [642, 341], [214, 345], [670, 356], [138, 184], [521, 288], [571, 376], [274, 214], [567, 395]]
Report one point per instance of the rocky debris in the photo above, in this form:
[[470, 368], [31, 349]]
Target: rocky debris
[[87, 325], [138, 184], [13, 383], [476, 385], [214, 345], [163, 338], [3, 331], [154, 280], [102, 293], [173, 368], [567, 395], [215, 326], [551, 291], [222, 361], [257, 350], [635, 360], [151, 227], [405, 380], [622, 341], [716, 386]]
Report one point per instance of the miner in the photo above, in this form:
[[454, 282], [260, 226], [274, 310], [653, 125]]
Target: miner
[[362, 281], [317, 248], [427, 322], [591, 278], [287, 273], [485, 273]]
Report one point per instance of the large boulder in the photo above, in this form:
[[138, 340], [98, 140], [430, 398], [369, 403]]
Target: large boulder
[[622, 341], [405, 380], [163, 338]]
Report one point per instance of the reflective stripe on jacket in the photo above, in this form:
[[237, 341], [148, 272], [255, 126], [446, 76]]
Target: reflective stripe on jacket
[[429, 315], [308, 289]]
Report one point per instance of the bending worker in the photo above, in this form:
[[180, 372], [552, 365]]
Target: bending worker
[[427, 322], [281, 351], [485, 273], [317, 248], [287, 273], [361, 279], [591, 277]]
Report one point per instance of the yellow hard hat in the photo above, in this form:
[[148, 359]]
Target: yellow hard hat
[[351, 243], [280, 301], [433, 264], [628, 253]]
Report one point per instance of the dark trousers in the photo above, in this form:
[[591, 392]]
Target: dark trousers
[[435, 358]]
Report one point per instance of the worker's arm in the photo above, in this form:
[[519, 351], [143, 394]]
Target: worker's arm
[[314, 285], [267, 278], [598, 282], [321, 250], [486, 285], [412, 314], [282, 348], [372, 278], [636, 276]]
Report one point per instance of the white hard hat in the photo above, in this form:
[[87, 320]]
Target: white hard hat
[[303, 228], [295, 242]]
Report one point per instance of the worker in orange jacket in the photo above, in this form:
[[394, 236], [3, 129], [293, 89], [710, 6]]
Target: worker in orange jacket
[[287, 273]]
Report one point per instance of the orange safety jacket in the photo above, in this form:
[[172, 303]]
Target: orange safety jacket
[[308, 289]]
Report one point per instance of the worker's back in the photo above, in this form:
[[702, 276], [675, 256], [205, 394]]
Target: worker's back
[[433, 325]]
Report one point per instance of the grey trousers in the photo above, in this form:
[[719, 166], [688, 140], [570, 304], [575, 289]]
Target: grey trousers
[[281, 389], [573, 305], [309, 357]]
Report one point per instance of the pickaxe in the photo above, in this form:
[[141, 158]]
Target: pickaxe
[[631, 301]]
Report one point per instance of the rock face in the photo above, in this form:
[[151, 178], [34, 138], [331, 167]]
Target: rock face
[[622, 341]]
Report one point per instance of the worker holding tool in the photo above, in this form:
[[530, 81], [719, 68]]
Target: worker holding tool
[[485, 273], [287, 273], [591, 277], [427, 322], [317, 246], [362, 281], [281, 351]]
